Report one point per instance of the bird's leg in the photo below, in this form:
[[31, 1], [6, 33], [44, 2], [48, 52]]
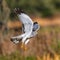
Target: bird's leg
[[24, 47], [27, 41]]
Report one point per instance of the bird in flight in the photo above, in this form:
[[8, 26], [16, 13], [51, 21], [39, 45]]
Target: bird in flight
[[29, 28]]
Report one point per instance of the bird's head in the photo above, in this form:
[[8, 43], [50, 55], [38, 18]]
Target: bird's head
[[18, 11]]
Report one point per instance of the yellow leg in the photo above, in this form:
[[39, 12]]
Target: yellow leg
[[24, 47]]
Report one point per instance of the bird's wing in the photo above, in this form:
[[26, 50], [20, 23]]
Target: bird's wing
[[36, 27]]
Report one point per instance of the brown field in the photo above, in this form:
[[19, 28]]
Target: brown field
[[45, 44], [42, 21], [47, 57]]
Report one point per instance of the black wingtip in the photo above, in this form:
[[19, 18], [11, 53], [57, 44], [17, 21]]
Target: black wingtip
[[11, 39], [18, 10]]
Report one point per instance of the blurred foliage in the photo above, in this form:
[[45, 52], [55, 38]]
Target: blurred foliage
[[45, 8], [54, 33], [17, 56]]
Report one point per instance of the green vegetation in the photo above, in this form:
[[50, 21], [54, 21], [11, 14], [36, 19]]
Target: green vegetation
[[54, 35], [17, 57], [45, 8]]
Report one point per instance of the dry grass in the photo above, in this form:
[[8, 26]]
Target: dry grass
[[47, 57], [19, 57], [42, 21], [49, 33], [37, 45]]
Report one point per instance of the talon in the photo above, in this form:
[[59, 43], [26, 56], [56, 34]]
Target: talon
[[23, 46]]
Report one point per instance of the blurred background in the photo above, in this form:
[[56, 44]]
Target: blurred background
[[46, 45]]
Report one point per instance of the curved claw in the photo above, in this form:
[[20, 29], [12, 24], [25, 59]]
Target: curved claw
[[24, 47]]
